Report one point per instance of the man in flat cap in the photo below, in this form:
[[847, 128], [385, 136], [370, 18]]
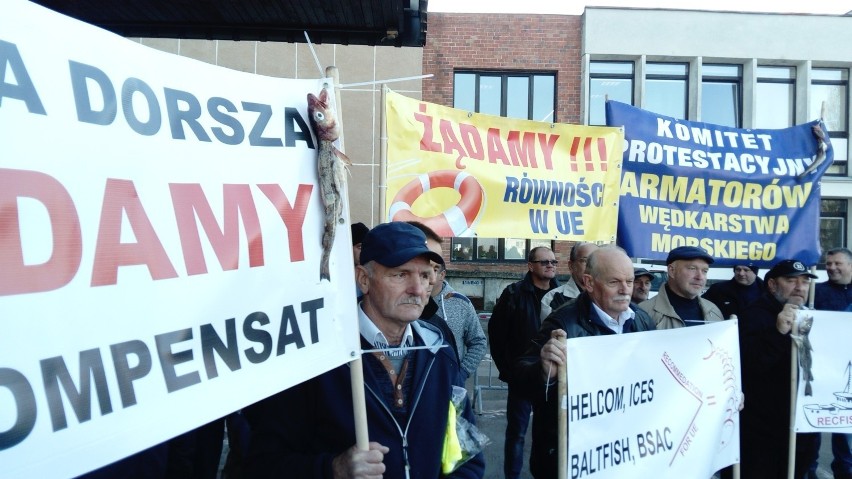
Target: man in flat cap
[[308, 431], [642, 279], [735, 294], [765, 349], [678, 304]]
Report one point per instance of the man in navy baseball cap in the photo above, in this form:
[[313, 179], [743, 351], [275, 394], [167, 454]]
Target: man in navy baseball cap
[[395, 243]]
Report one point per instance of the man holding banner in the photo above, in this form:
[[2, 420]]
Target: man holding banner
[[603, 308], [766, 347], [409, 373]]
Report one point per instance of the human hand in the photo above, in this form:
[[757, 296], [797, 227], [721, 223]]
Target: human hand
[[786, 318], [553, 354], [357, 464]]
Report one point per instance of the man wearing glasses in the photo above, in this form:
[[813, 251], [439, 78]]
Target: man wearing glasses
[[572, 288], [514, 321]]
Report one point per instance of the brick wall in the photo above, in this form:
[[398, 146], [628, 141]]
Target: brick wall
[[505, 42]]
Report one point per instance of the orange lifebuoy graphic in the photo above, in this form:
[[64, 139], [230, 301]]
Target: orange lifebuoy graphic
[[457, 219]]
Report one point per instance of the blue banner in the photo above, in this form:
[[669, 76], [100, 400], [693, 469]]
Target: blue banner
[[743, 195]]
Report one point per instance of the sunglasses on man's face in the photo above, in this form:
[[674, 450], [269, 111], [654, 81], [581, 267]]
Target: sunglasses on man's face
[[545, 262]]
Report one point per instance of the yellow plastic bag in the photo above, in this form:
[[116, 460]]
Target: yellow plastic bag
[[452, 448]]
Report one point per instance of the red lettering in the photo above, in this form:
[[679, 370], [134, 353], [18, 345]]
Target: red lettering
[[522, 151], [426, 143], [572, 155], [60, 268], [472, 141], [547, 144], [451, 143], [602, 152], [495, 147], [190, 202], [120, 197], [292, 216]]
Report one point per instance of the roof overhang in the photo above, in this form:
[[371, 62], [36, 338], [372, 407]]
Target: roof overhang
[[400, 23]]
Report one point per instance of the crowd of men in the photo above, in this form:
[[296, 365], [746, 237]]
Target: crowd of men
[[422, 340], [607, 295]]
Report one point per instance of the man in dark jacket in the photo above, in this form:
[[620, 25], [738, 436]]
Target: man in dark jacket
[[766, 349], [308, 431], [514, 321], [604, 308], [836, 295], [735, 294]]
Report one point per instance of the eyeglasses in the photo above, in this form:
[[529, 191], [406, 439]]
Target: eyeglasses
[[545, 262]]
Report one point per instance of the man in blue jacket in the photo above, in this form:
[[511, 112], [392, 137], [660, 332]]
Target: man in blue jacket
[[308, 430]]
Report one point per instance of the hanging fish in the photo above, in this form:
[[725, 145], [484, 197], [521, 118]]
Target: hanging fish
[[803, 342], [331, 170]]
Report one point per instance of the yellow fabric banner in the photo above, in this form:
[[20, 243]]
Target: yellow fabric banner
[[468, 174]]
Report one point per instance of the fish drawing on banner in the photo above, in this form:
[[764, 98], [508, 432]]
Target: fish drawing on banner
[[331, 171]]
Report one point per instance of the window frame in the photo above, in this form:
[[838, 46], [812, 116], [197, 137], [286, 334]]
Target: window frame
[[684, 77], [722, 79], [843, 165], [504, 76], [609, 76]]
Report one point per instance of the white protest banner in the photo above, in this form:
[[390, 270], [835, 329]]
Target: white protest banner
[[824, 404], [160, 243], [660, 404]]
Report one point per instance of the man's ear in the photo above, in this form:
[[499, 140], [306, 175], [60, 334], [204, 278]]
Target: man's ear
[[586, 281], [362, 278]]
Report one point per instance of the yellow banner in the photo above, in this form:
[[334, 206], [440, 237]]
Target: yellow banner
[[468, 174]]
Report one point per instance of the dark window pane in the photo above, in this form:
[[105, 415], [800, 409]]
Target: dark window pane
[[462, 249], [486, 248], [515, 248]]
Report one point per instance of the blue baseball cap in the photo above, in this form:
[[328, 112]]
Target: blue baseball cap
[[689, 252], [395, 243]]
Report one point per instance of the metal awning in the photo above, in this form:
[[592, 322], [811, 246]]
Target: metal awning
[[345, 22]]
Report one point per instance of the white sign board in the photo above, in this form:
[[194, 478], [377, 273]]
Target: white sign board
[[824, 404], [160, 243], [654, 404]]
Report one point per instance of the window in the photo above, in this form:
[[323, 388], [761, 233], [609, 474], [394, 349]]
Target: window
[[526, 95], [830, 87], [608, 80], [832, 224], [666, 88], [721, 94], [530, 96], [494, 249], [775, 97]]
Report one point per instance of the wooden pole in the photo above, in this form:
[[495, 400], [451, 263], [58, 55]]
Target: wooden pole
[[794, 369], [562, 407], [356, 367]]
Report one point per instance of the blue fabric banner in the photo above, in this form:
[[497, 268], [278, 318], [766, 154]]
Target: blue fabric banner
[[743, 195]]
